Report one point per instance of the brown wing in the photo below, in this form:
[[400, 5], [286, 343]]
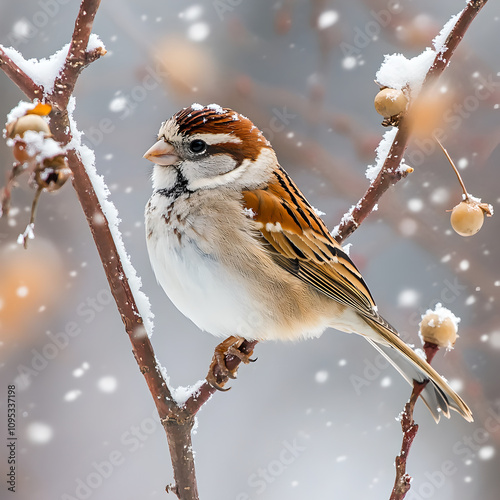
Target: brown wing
[[301, 243]]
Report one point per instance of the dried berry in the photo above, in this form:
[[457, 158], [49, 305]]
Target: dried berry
[[390, 102], [17, 129], [439, 327], [27, 122], [53, 174], [468, 216], [20, 152]]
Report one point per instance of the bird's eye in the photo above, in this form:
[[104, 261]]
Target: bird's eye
[[198, 146]]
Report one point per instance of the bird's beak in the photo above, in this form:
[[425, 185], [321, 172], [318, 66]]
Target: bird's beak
[[161, 153]]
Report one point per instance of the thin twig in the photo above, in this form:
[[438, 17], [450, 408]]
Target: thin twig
[[77, 58], [410, 429], [23, 81], [464, 189], [29, 228]]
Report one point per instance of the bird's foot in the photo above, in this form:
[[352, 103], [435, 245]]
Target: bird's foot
[[227, 357]]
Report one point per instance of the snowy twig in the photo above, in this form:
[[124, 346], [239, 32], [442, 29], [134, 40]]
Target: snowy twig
[[79, 56], [410, 428], [23, 81], [391, 171]]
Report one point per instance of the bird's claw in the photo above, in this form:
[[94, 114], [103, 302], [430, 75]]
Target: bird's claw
[[219, 372]]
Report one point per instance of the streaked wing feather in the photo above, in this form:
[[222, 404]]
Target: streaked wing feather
[[302, 245]]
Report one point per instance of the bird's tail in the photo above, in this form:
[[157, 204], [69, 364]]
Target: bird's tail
[[438, 396]]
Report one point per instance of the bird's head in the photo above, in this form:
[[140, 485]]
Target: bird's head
[[210, 147]]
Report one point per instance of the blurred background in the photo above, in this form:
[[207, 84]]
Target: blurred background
[[315, 418]]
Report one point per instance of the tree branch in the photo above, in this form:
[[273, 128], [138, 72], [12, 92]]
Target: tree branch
[[410, 429], [78, 58], [390, 172], [23, 81]]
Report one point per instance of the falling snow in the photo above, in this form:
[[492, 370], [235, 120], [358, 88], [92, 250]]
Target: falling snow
[[192, 13], [39, 432], [386, 382], [22, 291], [198, 32], [349, 62], [72, 395], [107, 384], [408, 298], [464, 265], [80, 371], [118, 104], [415, 204], [327, 19], [486, 452], [440, 196], [471, 299], [408, 227]]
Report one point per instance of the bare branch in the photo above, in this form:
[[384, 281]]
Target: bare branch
[[77, 58], [410, 429]]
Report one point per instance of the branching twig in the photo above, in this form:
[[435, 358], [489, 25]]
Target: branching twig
[[390, 172]]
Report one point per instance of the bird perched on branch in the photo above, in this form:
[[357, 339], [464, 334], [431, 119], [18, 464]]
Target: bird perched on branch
[[241, 252]]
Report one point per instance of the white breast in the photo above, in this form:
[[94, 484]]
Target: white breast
[[196, 282]]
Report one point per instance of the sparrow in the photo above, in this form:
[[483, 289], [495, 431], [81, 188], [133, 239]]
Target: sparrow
[[239, 250]]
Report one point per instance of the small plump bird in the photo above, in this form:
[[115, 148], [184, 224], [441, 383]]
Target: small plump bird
[[240, 251]]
